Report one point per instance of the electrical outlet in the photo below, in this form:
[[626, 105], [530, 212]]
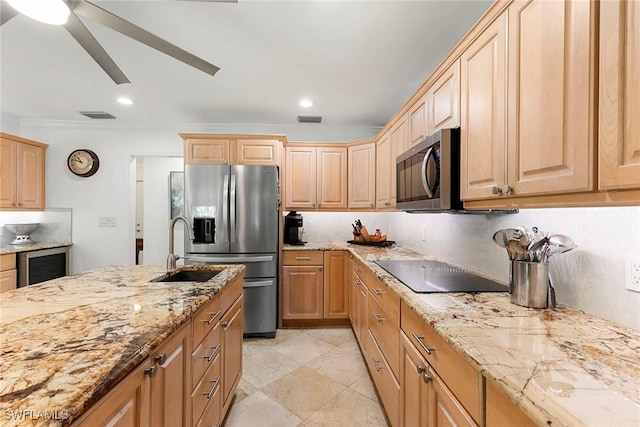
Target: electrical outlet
[[424, 234], [107, 221], [632, 268]]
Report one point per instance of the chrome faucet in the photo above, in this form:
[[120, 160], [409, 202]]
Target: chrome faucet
[[172, 258]]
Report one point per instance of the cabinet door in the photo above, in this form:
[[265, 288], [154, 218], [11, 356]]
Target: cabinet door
[[550, 129], [483, 113], [444, 409], [337, 267], [302, 292], [231, 337], [8, 196], [384, 172], [417, 121], [332, 177], [619, 126], [414, 383], [362, 312], [127, 404], [256, 152], [353, 297], [300, 178], [170, 384], [362, 176], [30, 176], [500, 411], [444, 100], [8, 280], [206, 151]]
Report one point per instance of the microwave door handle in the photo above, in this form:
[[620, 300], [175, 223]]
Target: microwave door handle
[[225, 204], [425, 182]]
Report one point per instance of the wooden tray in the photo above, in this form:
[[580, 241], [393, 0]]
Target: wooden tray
[[385, 244]]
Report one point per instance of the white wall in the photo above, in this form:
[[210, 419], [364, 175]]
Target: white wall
[[591, 277]]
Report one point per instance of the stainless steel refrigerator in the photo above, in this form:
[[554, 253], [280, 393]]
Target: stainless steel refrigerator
[[234, 212]]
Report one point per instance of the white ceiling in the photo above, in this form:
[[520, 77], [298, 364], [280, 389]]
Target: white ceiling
[[359, 61]]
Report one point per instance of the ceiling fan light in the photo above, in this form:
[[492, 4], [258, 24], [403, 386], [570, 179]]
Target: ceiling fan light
[[54, 12]]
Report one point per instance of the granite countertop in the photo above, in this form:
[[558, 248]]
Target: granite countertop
[[66, 342], [14, 249], [562, 366]]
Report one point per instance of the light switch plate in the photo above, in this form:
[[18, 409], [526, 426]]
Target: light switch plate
[[107, 221], [632, 272]]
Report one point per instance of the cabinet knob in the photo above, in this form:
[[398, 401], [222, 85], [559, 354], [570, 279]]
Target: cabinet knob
[[151, 371], [496, 190], [426, 378], [507, 189], [420, 369], [160, 359]]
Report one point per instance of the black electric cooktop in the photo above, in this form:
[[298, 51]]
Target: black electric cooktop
[[426, 276]]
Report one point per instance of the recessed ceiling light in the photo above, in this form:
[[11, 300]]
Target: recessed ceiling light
[[124, 100], [306, 103], [47, 11]]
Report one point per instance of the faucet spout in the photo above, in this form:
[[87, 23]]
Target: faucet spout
[[172, 258]]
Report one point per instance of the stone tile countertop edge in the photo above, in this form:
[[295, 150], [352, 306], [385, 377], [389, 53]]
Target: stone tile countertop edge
[[66, 342], [562, 366], [14, 249]]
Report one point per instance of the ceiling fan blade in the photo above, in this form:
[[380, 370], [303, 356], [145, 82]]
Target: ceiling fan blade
[[125, 27], [6, 12], [82, 35]]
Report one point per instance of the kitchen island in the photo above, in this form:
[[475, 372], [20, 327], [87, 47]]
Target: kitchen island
[[65, 343], [560, 367]]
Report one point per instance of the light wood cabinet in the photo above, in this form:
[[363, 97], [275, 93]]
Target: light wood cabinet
[[336, 291], [483, 113], [170, 383], [300, 177], [331, 172], [550, 108], [127, 404], [362, 176], [417, 122], [232, 149], [443, 100], [303, 292], [386, 384], [384, 172], [8, 272], [500, 411], [619, 96], [22, 169], [232, 326], [414, 380]]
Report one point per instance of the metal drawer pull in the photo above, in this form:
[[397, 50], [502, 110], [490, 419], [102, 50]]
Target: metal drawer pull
[[378, 292], [225, 324], [378, 317], [213, 353], [426, 378], [160, 359], [420, 341], [303, 258], [356, 268], [151, 371], [213, 388], [375, 364], [212, 318], [420, 369]]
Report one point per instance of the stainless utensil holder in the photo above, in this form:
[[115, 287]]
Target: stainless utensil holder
[[529, 284]]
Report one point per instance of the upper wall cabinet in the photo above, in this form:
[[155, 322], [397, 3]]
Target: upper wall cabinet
[[550, 113], [232, 149], [417, 122], [443, 100], [22, 168], [362, 176], [619, 95], [300, 177], [482, 113], [384, 172]]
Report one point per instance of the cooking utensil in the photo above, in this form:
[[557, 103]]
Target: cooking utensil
[[503, 237], [559, 243]]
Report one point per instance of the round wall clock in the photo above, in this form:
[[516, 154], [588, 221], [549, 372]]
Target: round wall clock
[[83, 162]]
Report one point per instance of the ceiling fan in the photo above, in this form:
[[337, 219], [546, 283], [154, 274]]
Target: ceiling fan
[[82, 35]]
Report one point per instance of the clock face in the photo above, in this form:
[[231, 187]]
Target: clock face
[[83, 162]]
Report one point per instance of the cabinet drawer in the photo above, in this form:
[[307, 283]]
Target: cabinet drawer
[[386, 385], [386, 333], [204, 354], [212, 412], [302, 258], [387, 299], [206, 389], [206, 319], [230, 294], [7, 262], [364, 272], [457, 373]]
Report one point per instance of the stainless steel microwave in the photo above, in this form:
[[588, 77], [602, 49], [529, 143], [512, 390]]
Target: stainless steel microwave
[[428, 174]]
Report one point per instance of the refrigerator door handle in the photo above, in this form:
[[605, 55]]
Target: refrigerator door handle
[[232, 204], [225, 260], [225, 203]]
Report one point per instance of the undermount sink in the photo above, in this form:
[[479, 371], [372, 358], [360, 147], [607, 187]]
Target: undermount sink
[[187, 276]]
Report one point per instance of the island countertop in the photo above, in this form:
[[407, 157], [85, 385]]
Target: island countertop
[[562, 366], [64, 343]]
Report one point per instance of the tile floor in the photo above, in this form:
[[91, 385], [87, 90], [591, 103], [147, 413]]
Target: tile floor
[[305, 377]]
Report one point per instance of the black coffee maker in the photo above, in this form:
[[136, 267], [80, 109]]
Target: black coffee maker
[[293, 229]]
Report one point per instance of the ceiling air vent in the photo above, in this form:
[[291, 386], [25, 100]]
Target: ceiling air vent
[[98, 115], [309, 119]]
